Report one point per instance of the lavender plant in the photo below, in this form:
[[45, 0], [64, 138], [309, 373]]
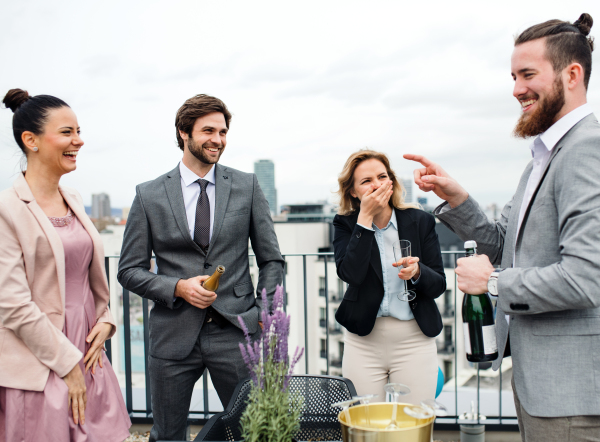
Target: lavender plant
[[272, 413]]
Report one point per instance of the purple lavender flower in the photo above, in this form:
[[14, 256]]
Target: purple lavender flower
[[270, 352], [245, 330]]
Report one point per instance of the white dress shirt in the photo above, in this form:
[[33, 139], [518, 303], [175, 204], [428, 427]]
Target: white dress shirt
[[191, 191], [392, 284]]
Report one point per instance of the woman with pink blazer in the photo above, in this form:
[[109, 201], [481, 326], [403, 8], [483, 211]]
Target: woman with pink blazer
[[56, 382]]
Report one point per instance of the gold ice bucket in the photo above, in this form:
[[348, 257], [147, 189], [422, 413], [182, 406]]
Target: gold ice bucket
[[380, 414]]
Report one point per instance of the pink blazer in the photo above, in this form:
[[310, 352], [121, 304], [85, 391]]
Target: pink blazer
[[32, 289]]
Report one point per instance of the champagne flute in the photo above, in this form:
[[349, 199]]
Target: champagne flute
[[394, 391], [438, 408], [427, 409], [402, 250], [419, 411], [365, 401], [344, 405]]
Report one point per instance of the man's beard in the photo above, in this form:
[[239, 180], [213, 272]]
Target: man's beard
[[198, 151], [541, 120]]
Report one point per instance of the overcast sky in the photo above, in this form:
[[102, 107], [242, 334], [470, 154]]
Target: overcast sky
[[308, 83]]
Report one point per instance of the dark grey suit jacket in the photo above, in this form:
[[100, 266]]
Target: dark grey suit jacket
[[157, 223], [552, 294]]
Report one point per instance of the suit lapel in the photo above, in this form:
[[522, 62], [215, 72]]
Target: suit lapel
[[175, 195], [513, 218], [79, 212], [555, 151], [24, 193], [406, 228], [223, 180], [376, 260]]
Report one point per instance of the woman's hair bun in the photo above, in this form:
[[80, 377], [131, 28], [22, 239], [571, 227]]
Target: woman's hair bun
[[584, 23], [15, 98]]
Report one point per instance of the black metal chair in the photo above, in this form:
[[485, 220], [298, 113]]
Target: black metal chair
[[317, 422]]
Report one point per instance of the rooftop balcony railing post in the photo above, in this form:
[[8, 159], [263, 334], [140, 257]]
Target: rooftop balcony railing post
[[478, 390], [455, 345], [325, 259], [305, 315], [285, 298], [127, 351]]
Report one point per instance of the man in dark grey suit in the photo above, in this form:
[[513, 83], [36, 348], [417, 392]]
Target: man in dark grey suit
[[547, 241], [194, 218]]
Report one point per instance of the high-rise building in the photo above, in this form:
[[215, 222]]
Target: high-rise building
[[408, 183], [100, 206], [265, 172]]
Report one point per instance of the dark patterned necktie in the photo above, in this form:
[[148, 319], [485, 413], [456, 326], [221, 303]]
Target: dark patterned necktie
[[202, 226]]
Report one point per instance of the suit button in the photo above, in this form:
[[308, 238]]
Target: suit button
[[358, 234]]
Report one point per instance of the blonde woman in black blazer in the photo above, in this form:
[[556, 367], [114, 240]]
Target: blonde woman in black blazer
[[387, 340]]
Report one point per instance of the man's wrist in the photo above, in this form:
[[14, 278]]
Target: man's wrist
[[458, 200], [176, 294], [492, 285]]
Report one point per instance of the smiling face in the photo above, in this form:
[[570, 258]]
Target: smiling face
[[208, 138], [59, 143], [538, 88], [369, 175]]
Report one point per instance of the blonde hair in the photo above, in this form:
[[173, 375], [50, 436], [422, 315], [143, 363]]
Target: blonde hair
[[348, 203]]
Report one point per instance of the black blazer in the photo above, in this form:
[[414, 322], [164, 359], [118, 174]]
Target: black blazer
[[358, 263]]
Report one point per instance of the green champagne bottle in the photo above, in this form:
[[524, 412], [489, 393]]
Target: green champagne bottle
[[478, 322]]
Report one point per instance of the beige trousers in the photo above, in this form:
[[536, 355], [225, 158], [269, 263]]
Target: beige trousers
[[395, 351]]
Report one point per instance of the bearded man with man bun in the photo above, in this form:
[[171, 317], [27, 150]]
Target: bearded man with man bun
[[547, 241]]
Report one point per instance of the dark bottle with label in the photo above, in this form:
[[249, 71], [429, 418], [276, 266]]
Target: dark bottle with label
[[478, 322], [212, 283]]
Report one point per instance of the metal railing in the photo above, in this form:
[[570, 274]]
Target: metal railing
[[144, 415]]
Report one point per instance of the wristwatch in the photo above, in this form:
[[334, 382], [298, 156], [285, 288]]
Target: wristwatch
[[492, 284]]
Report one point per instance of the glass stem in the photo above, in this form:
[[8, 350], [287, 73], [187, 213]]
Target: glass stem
[[347, 413]]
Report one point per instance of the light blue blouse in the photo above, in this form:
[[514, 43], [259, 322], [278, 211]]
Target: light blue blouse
[[392, 284]]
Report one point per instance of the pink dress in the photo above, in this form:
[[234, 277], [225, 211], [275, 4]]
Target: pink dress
[[45, 415]]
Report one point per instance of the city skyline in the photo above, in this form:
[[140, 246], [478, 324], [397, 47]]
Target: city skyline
[[417, 78]]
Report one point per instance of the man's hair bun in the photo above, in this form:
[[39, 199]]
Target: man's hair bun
[[15, 98], [584, 23]]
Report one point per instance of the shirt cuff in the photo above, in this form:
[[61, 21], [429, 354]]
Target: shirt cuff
[[445, 208], [415, 282], [367, 228]]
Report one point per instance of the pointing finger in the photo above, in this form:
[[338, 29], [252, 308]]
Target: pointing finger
[[418, 158]]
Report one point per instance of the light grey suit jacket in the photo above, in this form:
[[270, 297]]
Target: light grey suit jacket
[[157, 223], [553, 292]]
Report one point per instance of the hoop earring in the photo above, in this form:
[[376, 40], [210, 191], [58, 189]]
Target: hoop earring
[[35, 149]]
